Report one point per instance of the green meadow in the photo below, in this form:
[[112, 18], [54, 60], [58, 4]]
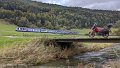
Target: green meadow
[[13, 42], [9, 30], [8, 35]]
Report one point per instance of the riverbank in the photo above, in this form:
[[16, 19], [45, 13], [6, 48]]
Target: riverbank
[[109, 64], [41, 51], [105, 58]]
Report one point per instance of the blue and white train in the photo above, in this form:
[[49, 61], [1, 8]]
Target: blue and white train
[[24, 29]]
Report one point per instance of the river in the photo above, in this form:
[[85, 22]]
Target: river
[[97, 58]]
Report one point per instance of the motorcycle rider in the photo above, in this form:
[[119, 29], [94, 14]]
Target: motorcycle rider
[[100, 31], [96, 28]]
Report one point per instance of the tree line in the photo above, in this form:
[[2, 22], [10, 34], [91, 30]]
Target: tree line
[[27, 13]]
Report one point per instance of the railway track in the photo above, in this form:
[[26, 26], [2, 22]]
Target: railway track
[[90, 40]]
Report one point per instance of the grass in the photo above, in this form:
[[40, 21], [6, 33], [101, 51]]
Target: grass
[[8, 42], [37, 52], [110, 64], [9, 39], [34, 53], [82, 31], [9, 30], [96, 46]]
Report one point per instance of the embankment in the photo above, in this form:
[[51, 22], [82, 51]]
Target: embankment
[[41, 51]]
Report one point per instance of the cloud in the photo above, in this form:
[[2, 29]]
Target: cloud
[[93, 4], [118, 9], [60, 2], [112, 5]]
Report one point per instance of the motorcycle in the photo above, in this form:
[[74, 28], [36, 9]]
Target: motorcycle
[[98, 31]]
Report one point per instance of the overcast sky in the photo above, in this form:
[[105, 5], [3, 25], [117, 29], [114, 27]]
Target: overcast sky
[[92, 4]]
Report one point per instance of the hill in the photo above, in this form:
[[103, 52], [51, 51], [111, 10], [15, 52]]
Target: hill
[[27, 13]]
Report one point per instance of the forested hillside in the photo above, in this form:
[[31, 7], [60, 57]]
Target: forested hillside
[[26, 13]]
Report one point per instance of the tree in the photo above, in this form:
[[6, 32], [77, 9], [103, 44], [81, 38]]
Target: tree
[[23, 22], [117, 26], [48, 25]]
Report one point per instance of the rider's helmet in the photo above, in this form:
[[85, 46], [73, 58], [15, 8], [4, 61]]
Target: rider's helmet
[[109, 25], [95, 25]]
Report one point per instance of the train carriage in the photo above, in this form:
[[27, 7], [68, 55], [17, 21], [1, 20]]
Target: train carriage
[[24, 29]]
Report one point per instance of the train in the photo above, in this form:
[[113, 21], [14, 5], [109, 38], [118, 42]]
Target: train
[[41, 30]]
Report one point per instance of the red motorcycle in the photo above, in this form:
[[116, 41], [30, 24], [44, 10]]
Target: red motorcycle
[[100, 31]]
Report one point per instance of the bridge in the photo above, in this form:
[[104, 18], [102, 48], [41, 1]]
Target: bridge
[[66, 43], [89, 40]]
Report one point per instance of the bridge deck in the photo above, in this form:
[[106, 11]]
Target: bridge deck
[[91, 40]]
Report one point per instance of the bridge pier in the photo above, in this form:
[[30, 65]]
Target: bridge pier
[[65, 45]]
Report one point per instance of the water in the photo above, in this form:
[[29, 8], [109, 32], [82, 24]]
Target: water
[[101, 56], [97, 58]]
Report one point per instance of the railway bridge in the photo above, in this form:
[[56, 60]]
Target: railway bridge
[[66, 43], [90, 40]]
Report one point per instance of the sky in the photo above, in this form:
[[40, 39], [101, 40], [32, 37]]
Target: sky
[[92, 4]]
